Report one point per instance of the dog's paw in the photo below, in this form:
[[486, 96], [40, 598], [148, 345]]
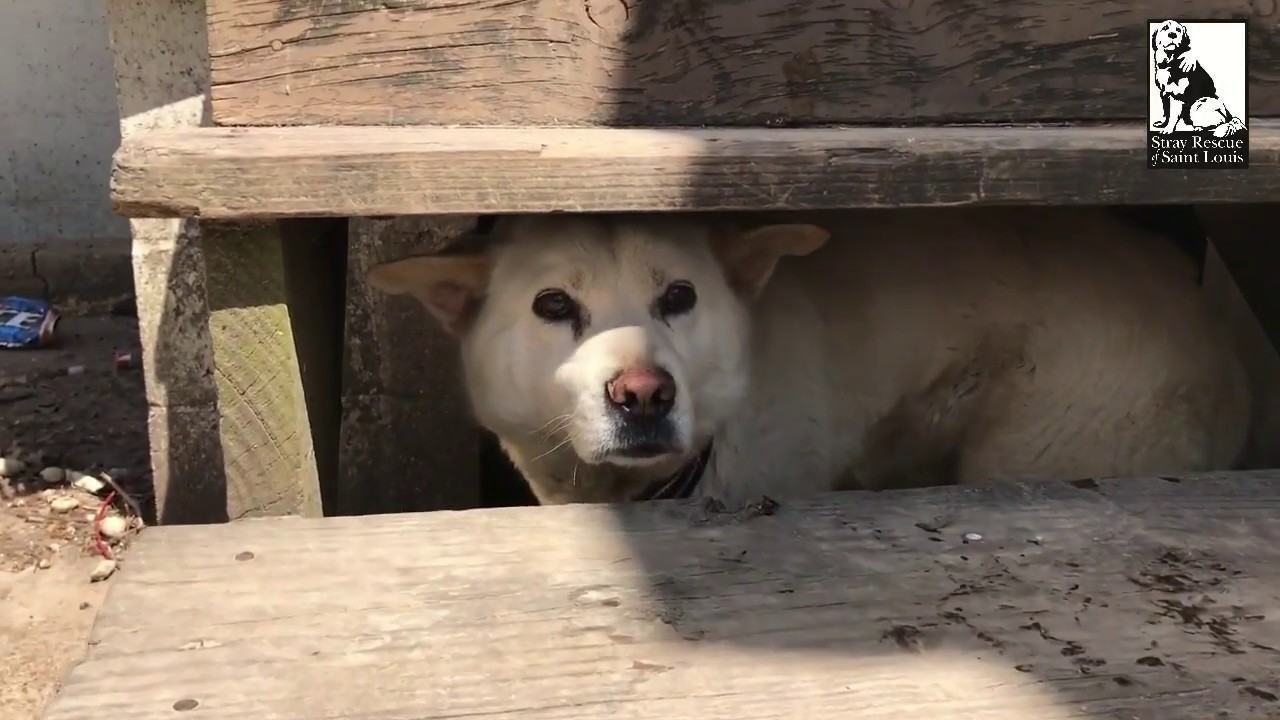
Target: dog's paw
[[1167, 129], [1158, 124], [1230, 127]]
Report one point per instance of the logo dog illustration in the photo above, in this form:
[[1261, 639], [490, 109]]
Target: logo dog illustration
[[1187, 91]]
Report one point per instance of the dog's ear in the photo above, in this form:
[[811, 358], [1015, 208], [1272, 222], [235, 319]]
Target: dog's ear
[[449, 286], [750, 256], [1184, 43]]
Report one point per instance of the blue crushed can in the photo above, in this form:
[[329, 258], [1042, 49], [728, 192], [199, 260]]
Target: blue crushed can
[[26, 323]]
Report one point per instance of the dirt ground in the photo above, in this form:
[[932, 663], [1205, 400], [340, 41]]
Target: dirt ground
[[71, 408]]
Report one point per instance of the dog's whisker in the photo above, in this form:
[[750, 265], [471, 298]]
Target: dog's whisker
[[556, 430], [559, 445], [552, 421]]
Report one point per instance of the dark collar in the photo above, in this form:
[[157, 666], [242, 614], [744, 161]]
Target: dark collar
[[681, 485]]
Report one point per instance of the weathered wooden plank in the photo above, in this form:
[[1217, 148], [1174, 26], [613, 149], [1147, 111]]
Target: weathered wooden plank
[[267, 453], [690, 62], [408, 439], [1150, 599], [349, 171]]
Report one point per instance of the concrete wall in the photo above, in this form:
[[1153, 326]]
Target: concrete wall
[[58, 128], [59, 120]]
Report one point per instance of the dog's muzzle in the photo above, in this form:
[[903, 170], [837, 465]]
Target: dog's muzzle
[[640, 402]]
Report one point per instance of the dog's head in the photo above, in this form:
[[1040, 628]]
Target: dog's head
[[1169, 40], [622, 339]]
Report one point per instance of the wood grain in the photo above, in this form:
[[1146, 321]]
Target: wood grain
[[409, 442], [265, 432], [1150, 599], [690, 62], [349, 171]]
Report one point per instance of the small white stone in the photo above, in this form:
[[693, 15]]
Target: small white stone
[[102, 570], [200, 645], [972, 537], [44, 564], [53, 475], [11, 468], [87, 483], [114, 527], [64, 503]]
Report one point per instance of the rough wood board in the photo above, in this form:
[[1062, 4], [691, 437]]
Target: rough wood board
[[408, 439], [1147, 599], [354, 171], [266, 437], [690, 62]]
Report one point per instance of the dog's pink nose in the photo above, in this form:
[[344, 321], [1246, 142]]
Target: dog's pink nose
[[643, 392]]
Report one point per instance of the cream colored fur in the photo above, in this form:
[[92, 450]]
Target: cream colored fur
[[915, 347]]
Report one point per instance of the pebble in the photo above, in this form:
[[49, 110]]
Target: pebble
[[114, 527], [44, 564], [87, 483], [53, 475], [11, 468], [972, 537], [103, 570], [64, 503]]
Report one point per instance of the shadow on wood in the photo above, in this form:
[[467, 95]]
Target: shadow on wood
[[694, 62], [1127, 599]]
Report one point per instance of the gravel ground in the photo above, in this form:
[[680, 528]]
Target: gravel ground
[[72, 409]]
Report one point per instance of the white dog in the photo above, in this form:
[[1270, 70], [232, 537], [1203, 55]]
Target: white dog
[[632, 357]]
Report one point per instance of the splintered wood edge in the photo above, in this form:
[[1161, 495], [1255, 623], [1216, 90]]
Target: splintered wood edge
[[249, 173]]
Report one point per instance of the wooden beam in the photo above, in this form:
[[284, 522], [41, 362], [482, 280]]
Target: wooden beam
[[1056, 601], [409, 441], [353, 171], [692, 62], [267, 453]]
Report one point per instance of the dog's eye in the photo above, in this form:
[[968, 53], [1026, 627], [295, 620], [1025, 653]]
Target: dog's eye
[[677, 299], [554, 306]]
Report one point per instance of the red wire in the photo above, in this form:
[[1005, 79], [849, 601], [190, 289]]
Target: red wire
[[98, 543]]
